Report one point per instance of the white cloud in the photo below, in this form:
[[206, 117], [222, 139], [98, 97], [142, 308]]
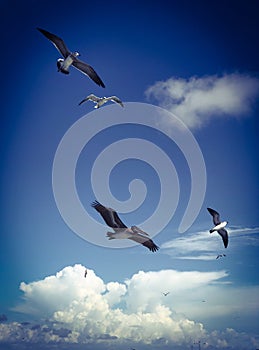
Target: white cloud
[[205, 246], [42, 297], [86, 310], [197, 100]]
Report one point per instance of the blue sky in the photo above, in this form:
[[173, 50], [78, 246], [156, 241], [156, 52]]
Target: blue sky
[[197, 61]]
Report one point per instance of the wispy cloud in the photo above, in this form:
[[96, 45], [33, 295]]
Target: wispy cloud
[[89, 311], [203, 246], [197, 100]]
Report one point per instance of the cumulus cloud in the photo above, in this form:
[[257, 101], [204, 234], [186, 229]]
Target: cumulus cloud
[[197, 100], [88, 311]]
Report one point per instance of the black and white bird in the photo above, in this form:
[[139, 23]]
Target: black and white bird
[[220, 256], [219, 226], [121, 231], [99, 101], [70, 59]]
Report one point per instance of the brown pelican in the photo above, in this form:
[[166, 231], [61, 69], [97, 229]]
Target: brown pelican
[[219, 226], [70, 58], [121, 231], [99, 101]]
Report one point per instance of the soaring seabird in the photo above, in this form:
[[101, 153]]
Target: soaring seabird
[[220, 256], [99, 101], [166, 293], [219, 226], [70, 58], [121, 231]]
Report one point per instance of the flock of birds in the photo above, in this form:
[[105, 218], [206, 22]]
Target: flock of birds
[[109, 215], [70, 59]]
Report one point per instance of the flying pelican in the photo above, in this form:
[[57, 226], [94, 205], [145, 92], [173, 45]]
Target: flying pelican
[[99, 101], [166, 293], [219, 226], [70, 58], [121, 231]]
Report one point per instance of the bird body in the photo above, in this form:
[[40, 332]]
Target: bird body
[[99, 101], [121, 231], [70, 58], [220, 256], [64, 64], [219, 226]]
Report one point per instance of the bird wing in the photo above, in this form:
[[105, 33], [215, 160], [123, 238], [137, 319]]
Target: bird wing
[[223, 233], [116, 99], [88, 70], [91, 97], [118, 220], [136, 229], [147, 242], [109, 215], [215, 216], [56, 41]]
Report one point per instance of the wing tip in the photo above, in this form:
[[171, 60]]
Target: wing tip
[[154, 249], [43, 31], [95, 203]]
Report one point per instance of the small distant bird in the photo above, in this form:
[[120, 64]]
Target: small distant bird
[[99, 101], [220, 256], [219, 226], [166, 293], [70, 58], [85, 272], [121, 231], [204, 301]]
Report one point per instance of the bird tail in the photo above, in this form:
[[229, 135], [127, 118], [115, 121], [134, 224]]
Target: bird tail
[[110, 235]]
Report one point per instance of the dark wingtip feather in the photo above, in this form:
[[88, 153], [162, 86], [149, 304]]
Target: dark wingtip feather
[[100, 82], [154, 248], [43, 31], [95, 203]]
